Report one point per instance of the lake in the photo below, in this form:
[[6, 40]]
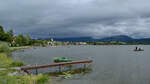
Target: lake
[[112, 64]]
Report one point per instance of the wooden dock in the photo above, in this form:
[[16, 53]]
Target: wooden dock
[[36, 67]]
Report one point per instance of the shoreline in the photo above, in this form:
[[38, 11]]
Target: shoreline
[[12, 49], [10, 74]]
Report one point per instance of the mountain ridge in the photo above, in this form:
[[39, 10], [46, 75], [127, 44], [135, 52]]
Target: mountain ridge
[[122, 38]]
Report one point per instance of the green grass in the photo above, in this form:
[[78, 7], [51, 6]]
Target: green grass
[[28, 79], [41, 79], [18, 48], [17, 64], [5, 61], [4, 47]]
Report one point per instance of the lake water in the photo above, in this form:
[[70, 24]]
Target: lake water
[[112, 64]]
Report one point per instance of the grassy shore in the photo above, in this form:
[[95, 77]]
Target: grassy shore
[[8, 75], [18, 48]]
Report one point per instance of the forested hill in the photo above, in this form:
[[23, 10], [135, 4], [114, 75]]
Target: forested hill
[[122, 38]]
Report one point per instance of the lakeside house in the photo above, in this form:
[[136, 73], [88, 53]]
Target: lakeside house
[[51, 41], [80, 43]]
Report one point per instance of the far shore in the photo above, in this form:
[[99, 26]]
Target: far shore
[[20, 47]]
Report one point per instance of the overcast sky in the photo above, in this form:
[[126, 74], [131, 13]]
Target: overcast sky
[[77, 18]]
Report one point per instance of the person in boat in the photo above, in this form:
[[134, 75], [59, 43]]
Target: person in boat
[[139, 49], [136, 48]]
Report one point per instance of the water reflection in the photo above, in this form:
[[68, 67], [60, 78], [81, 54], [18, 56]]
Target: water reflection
[[82, 71], [55, 71]]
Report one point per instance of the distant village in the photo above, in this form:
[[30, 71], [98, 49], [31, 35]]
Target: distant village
[[52, 42]]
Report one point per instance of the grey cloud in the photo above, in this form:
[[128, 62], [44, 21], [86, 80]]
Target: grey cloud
[[63, 18]]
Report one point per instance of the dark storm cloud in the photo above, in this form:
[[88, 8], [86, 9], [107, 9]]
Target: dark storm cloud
[[68, 18]]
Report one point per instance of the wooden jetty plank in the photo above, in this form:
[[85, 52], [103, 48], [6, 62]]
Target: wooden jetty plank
[[56, 64]]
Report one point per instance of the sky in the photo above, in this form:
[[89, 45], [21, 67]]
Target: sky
[[76, 18]]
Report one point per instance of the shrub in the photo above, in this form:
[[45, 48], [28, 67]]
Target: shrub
[[17, 64], [27, 79], [41, 79], [4, 47], [38, 79], [5, 61]]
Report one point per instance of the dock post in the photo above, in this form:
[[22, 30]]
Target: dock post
[[59, 68], [36, 70], [70, 67], [84, 66]]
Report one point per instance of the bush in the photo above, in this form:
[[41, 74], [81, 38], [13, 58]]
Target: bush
[[22, 40], [5, 61], [27, 79], [4, 47], [17, 64], [41, 79]]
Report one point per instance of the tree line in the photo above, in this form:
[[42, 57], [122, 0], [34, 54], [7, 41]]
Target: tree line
[[20, 40]]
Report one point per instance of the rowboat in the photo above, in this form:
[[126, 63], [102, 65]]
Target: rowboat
[[62, 59]]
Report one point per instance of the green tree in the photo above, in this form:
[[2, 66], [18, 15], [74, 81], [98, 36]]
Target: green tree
[[1, 29], [4, 36], [22, 40], [27, 40], [1, 36], [7, 37], [19, 40], [1, 33], [11, 33]]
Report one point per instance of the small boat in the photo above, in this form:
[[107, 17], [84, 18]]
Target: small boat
[[62, 59], [138, 49]]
